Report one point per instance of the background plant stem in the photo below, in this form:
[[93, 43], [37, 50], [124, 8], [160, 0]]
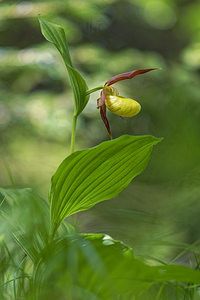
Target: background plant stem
[[73, 133]]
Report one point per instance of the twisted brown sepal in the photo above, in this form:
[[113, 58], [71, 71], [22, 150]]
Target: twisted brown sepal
[[104, 118], [128, 75], [102, 106]]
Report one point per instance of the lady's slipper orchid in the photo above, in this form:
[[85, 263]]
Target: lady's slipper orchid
[[109, 98]]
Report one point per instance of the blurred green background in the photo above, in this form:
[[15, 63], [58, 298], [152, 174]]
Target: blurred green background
[[158, 214]]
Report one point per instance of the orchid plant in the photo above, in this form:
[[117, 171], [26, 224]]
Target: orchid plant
[[125, 107]]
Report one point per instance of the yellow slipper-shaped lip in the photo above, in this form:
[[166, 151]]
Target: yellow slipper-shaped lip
[[124, 107]]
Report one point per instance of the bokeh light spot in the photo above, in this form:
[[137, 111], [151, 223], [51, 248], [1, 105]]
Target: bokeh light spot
[[191, 56], [24, 8], [159, 15]]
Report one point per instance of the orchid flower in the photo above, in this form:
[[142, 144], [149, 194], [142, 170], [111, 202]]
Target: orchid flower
[[109, 98]]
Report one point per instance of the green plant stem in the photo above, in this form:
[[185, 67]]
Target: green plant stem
[[94, 90], [54, 229], [52, 233], [73, 133]]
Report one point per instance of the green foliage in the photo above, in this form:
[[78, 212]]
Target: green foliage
[[56, 35], [90, 176], [26, 216], [98, 267]]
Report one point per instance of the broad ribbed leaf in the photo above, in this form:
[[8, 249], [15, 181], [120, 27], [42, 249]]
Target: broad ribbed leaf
[[56, 35], [90, 176]]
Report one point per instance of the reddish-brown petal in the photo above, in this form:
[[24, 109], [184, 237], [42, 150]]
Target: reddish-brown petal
[[128, 75], [105, 120], [101, 100]]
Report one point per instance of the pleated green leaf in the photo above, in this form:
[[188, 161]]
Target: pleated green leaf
[[56, 35], [90, 176]]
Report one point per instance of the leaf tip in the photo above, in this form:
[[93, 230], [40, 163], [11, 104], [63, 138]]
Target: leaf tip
[[158, 140]]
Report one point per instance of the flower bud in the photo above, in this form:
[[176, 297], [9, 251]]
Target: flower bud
[[124, 107]]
